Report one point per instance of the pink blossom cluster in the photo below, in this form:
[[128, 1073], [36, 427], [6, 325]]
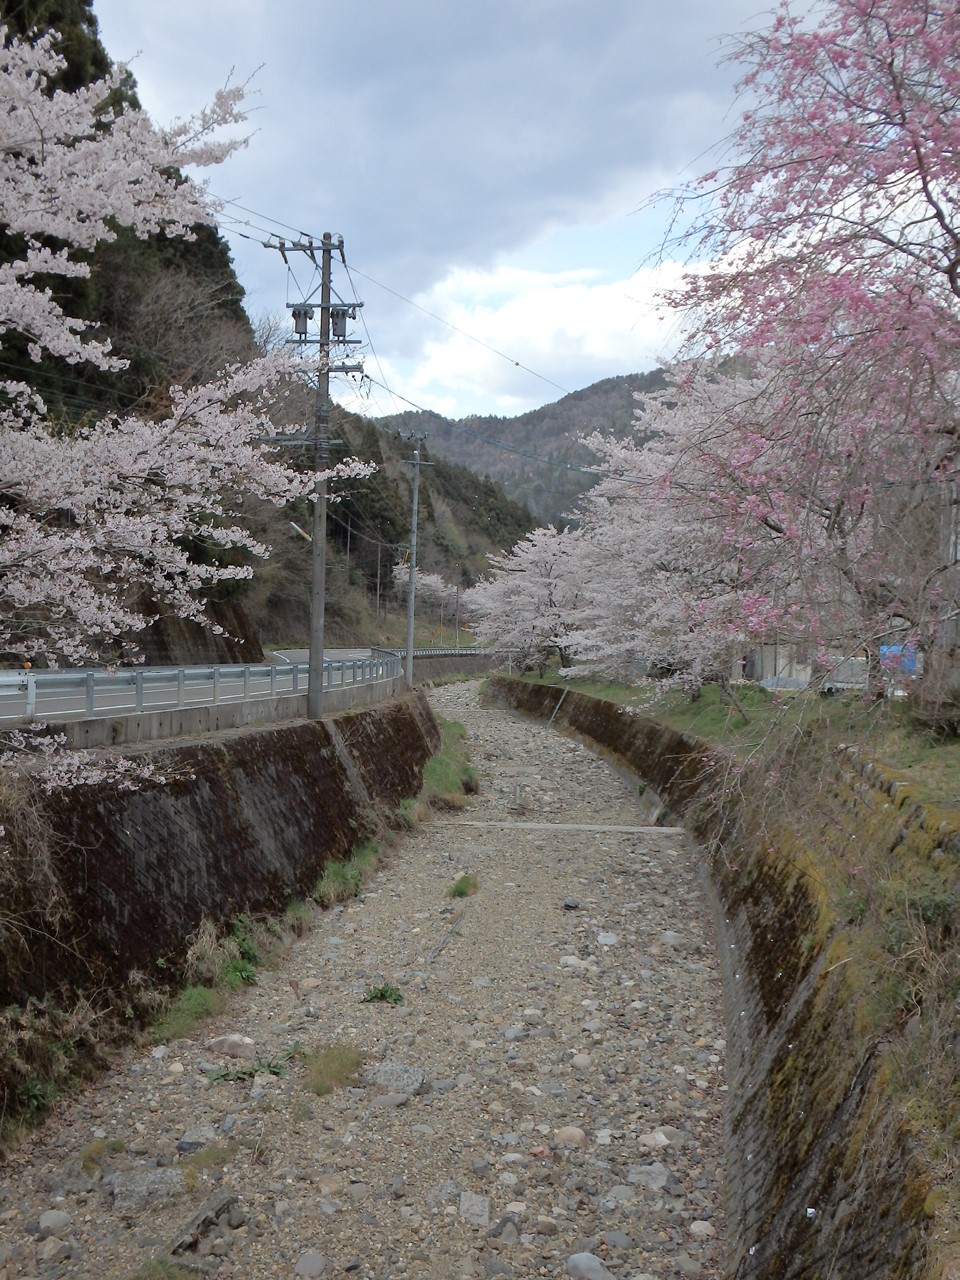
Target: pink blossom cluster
[[799, 479]]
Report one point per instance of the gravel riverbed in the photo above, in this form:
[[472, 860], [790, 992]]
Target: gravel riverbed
[[546, 1101]]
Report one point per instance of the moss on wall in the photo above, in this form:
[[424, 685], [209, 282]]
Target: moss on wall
[[246, 823], [837, 902]]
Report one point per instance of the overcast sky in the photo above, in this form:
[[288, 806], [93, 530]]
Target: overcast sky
[[486, 159]]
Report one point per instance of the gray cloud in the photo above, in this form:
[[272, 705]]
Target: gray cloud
[[441, 133]]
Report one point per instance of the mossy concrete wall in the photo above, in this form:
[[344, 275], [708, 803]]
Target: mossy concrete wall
[[826, 1180], [246, 823]]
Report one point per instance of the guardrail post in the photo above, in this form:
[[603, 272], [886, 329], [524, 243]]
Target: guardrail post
[[181, 686], [138, 690], [31, 709], [296, 677], [216, 685], [273, 680], [89, 686], [246, 681]]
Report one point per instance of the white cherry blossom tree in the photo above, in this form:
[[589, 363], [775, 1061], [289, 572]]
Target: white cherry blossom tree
[[95, 517], [529, 602]]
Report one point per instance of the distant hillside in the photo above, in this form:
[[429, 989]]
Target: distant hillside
[[502, 447], [462, 518]]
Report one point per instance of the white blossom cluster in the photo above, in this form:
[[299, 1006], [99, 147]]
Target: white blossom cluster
[[95, 519]]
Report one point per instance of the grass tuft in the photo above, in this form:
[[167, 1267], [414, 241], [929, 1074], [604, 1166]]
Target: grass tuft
[[215, 1157], [448, 777], [191, 1006], [342, 881], [332, 1067], [161, 1270], [339, 883], [465, 887], [296, 918], [407, 814], [93, 1154]]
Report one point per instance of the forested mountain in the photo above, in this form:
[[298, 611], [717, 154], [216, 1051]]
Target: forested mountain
[[536, 456], [462, 518]]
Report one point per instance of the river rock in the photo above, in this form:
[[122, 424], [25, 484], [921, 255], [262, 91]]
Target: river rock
[[141, 1190], [54, 1222], [234, 1046], [398, 1078], [475, 1209], [587, 1266]]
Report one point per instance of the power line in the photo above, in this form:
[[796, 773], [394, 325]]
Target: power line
[[363, 321], [402, 297], [375, 542], [463, 333]]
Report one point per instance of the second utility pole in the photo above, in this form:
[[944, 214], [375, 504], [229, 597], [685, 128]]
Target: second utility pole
[[412, 581]]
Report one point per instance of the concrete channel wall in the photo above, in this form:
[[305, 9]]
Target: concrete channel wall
[[246, 821], [825, 1178]]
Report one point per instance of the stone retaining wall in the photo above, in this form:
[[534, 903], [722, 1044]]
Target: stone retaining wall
[[825, 1179], [247, 823]]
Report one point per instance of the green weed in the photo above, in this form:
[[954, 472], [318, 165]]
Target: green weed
[[244, 933], [36, 1096], [260, 1066], [386, 993], [191, 1006], [240, 973], [465, 887]]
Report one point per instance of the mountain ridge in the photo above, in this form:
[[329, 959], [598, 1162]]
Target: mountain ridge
[[537, 456]]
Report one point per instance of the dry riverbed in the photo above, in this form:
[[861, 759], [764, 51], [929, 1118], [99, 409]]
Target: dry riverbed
[[546, 1101]]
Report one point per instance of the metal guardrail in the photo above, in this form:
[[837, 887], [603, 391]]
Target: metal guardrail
[[23, 693], [460, 652], [89, 694]]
